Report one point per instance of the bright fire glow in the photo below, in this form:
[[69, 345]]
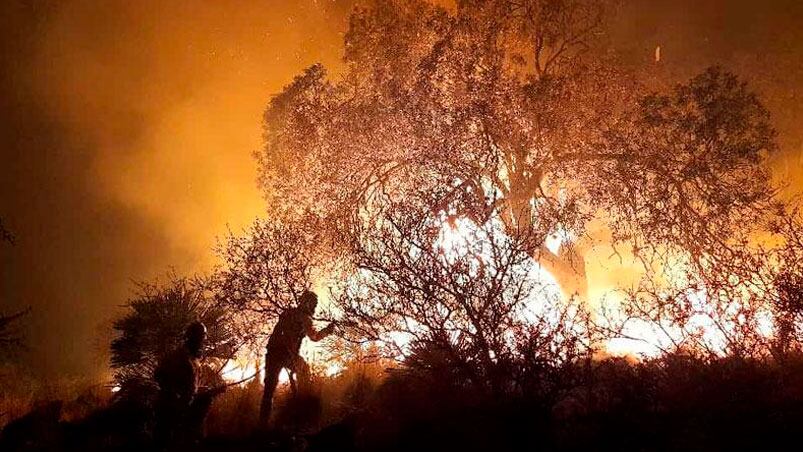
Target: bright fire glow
[[642, 339], [313, 353]]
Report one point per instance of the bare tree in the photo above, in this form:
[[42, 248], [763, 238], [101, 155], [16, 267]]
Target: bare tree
[[742, 299], [266, 269], [265, 272], [441, 290], [787, 283]]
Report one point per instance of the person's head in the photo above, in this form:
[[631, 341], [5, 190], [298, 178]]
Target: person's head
[[194, 338], [308, 302]]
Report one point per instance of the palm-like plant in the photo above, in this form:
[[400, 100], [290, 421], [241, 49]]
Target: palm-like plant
[[154, 325]]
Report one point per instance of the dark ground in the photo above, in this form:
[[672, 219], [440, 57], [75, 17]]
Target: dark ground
[[672, 404]]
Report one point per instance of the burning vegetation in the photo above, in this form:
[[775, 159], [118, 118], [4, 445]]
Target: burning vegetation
[[445, 194]]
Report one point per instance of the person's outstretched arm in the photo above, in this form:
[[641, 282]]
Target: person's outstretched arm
[[316, 336]]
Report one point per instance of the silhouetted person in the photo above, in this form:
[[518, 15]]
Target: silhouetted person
[[180, 407], [283, 346]]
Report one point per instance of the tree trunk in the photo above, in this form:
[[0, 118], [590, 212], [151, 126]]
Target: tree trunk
[[567, 266], [568, 269]]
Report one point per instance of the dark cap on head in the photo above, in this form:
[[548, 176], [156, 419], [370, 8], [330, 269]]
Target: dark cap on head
[[195, 329], [308, 300], [194, 336]]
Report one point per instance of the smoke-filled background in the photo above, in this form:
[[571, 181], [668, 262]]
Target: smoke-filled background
[[128, 128]]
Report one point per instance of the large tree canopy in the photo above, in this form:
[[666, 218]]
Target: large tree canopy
[[514, 102]]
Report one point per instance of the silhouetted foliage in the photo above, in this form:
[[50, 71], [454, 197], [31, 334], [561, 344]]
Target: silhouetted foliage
[[735, 300], [787, 284], [453, 297], [265, 270]]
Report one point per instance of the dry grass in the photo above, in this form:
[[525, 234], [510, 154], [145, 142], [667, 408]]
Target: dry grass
[[672, 403], [20, 392]]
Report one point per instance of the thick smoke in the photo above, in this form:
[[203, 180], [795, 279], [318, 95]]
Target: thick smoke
[[126, 146]]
